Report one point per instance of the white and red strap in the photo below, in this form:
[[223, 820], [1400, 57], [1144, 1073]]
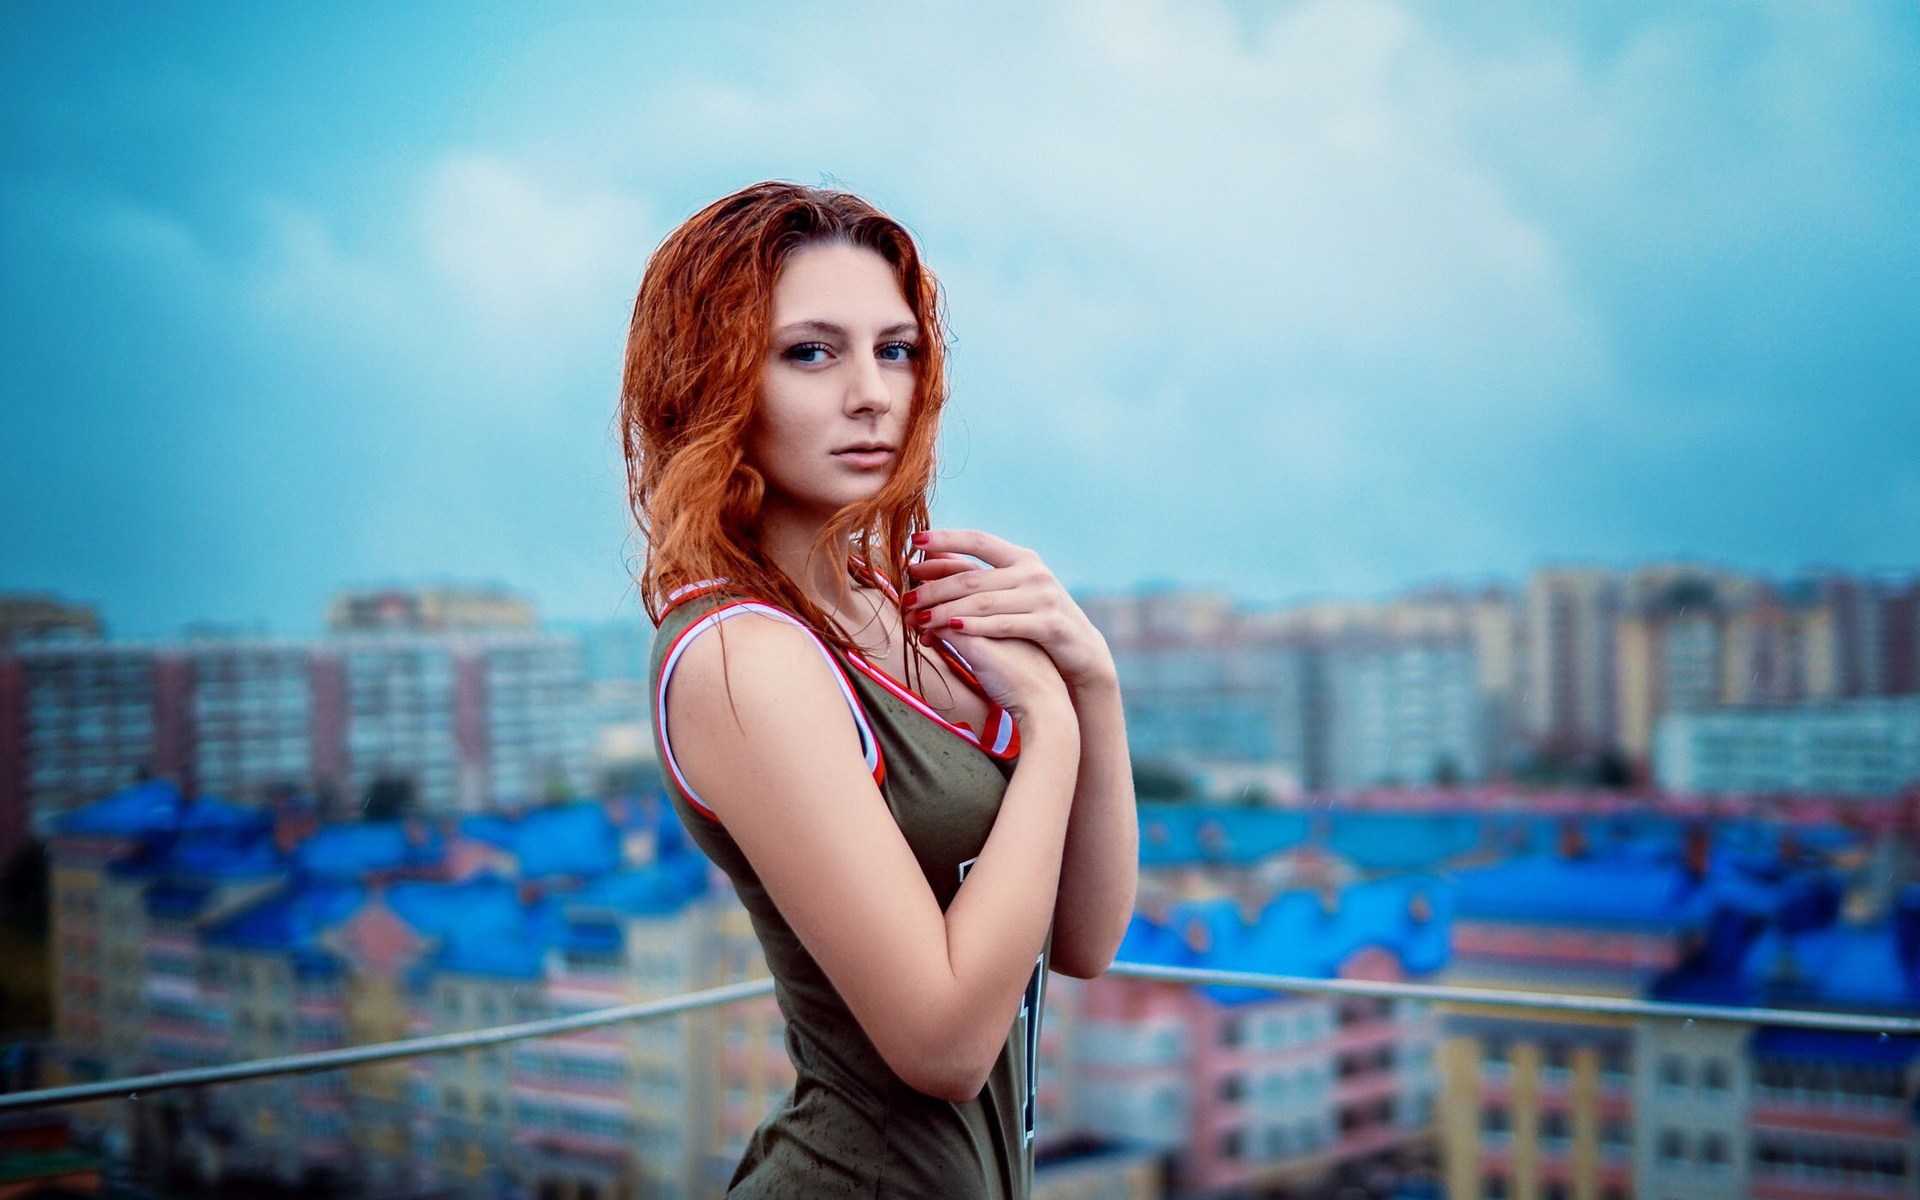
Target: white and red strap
[[1002, 740], [869, 744]]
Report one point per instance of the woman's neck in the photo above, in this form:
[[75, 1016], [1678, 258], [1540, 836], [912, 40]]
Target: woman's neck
[[786, 538]]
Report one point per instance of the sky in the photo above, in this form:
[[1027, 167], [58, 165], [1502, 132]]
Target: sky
[[1289, 300]]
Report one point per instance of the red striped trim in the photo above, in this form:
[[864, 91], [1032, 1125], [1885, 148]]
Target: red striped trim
[[689, 591], [870, 741], [1002, 738]]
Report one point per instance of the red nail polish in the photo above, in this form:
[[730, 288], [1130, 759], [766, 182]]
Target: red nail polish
[[955, 623], [921, 538], [922, 617], [909, 597]]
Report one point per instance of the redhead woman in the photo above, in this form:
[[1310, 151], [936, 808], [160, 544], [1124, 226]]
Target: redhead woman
[[903, 745]]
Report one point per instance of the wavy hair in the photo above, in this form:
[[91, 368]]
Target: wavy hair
[[692, 383]]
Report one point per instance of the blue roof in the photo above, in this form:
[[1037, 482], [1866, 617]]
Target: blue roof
[[567, 839], [1294, 935], [440, 909], [1402, 841], [1802, 955], [1615, 891], [221, 856], [483, 926], [289, 921], [663, 888], [348, 851], [149, 807], [202, 854], [156, 806], [1184, 833]]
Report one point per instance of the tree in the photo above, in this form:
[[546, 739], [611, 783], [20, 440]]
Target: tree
[[23, 889], [390, 797], [1155, 780], [1612, 770]]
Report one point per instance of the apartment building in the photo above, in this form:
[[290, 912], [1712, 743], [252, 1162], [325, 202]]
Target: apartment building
[[1246, 1088], [458, 721]]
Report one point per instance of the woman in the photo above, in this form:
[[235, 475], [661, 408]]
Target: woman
[[862, 733]]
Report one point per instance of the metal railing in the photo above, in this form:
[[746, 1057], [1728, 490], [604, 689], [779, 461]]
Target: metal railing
[[132, 1087]]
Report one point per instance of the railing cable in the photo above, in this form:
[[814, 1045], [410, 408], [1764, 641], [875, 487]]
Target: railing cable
[[323, 1060]]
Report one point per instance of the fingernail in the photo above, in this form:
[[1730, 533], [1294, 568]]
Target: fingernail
[[922, 617], [909, 597], [921, 538], [954, 622]]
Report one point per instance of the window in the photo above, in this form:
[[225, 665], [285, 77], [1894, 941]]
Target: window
[[1673, 1147], [1556, 1191], [1614, 1133], [1233, 1032], [1233, 1145], [1673, 1072], [1232, 1088], [1713, 1075], [1713, 1150], [1613, 1061], [1494, 1052], [1493, 1119], [1494, 1187], [1554, 1056], [1553, 1124]]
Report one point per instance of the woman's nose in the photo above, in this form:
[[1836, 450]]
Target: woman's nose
[[868, 387]]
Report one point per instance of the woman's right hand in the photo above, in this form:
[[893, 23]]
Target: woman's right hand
[[1015, 672]]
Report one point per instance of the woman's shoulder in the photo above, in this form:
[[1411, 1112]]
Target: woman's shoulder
[[695, 608]]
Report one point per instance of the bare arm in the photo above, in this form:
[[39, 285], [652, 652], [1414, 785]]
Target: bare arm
[[936, 992], [1100, 864], [1015, 597]]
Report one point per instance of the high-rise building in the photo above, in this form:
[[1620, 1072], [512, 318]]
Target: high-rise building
[[1416, 689], [455, 721], [436, 609], [1868, 746], [1402, 711], [1672, 653], [41, 616], [1570, 623]]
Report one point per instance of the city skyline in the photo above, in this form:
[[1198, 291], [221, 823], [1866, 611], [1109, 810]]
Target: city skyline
[[1323, 300]]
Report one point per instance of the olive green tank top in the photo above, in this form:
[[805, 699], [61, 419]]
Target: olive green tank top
[[851, 1126]]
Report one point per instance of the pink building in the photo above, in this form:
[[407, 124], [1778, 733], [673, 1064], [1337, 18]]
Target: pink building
[[1246, 1087]]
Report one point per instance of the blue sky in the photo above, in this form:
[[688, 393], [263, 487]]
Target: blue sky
[[1309, 299]]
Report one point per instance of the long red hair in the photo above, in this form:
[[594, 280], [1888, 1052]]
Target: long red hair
[[692, 383]]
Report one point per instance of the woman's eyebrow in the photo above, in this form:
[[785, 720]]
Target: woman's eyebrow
[[829, 329]]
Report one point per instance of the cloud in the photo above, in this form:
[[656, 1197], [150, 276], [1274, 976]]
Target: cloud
[[1317, 297], [521, 249]]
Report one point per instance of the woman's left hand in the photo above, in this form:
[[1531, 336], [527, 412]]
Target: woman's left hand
[[1014, 595]]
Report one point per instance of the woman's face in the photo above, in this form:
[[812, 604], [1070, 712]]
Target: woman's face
[[838, 377]]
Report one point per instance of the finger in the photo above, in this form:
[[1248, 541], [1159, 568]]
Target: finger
[[1031, 626], [940, 568], [996, 551], [982, 591]]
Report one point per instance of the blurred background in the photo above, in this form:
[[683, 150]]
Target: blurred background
[[1486, 435]]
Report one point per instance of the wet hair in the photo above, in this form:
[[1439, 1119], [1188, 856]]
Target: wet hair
[[692, 384]]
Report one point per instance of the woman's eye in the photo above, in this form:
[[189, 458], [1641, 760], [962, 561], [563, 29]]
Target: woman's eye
[[804, 352], [905, 350]]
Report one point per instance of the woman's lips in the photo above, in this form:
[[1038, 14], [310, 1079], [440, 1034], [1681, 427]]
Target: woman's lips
[[865, 458]]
